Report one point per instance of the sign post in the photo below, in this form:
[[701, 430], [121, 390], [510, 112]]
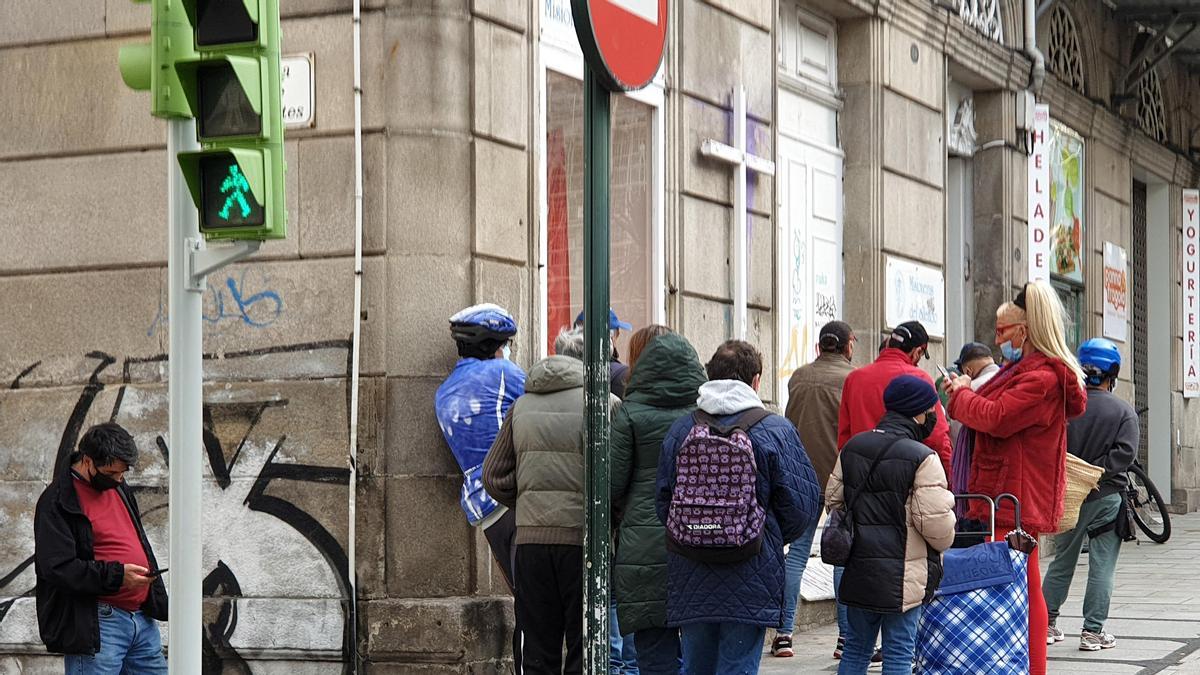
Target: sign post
[[623, 42], [1039, 196], [1190, 270]]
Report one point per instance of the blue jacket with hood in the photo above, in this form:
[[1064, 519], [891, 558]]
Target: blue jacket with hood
[[749, 592]]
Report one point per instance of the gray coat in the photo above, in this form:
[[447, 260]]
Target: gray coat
[[536, 463]]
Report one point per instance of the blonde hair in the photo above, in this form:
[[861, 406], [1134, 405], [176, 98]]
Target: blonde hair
[[1044, 318]]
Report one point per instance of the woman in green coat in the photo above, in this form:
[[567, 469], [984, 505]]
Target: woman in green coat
[[664, 378]]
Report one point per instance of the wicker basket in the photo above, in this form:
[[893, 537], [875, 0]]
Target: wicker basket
[[1082, 478]]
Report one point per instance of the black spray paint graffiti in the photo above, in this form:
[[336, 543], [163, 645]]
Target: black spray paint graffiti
[[221, 582]]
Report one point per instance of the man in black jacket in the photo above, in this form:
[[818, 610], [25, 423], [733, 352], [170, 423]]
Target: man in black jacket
[[98, 597], [1106, 435]]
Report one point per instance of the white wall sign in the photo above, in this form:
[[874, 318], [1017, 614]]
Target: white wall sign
[[296, 84], [1116, 293], [1191, 293], [1039, 196], [915, 292]]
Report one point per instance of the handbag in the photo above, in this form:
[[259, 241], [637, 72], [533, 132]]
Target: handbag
[[837, 540]]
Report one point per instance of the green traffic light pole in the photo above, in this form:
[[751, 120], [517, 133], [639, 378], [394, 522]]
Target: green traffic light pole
[[597, 350]]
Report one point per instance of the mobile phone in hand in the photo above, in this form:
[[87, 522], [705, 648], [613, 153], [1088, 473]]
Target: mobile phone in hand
[[943, 371], [158, 573]]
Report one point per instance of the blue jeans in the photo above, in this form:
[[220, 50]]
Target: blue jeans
[[622, 657], [797, 560], [842, 621], [129, 643], [658, 651], [722, 648], [899, 641]]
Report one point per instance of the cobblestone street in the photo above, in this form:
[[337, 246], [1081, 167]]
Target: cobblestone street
[[1155, 616]]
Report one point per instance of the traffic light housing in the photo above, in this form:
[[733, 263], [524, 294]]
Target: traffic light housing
[[233, 90], [218, 61]]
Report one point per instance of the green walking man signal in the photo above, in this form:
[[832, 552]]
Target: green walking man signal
[[235, 184], [218, 61]]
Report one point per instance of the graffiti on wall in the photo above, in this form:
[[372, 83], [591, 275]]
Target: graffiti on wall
[[276, 570]]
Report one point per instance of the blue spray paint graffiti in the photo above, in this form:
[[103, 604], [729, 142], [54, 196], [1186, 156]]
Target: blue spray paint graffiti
[[231, 301]]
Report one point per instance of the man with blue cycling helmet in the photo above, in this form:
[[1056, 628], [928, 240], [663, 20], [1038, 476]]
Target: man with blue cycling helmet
[[1106, 435], [471, 405]]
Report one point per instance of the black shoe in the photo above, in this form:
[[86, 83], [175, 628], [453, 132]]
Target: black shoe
[[877, 657]]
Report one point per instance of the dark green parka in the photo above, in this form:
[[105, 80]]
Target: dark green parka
[[662, 389]]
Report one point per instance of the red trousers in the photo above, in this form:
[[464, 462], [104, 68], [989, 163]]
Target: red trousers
[[1039, 620]]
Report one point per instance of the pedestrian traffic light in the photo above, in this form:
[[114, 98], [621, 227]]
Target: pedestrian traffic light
[[232, 88]]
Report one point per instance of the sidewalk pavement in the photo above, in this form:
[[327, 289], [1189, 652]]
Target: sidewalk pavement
[[1155, 614]]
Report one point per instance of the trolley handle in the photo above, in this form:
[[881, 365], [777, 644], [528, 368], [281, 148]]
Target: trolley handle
[[991, 508], [1016, 507]]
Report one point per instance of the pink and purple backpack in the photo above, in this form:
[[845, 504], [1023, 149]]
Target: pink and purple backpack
[[714, 515]]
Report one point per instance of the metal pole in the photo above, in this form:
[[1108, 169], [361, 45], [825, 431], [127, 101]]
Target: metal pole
[[596, 542], [741, 229], [186, 382]]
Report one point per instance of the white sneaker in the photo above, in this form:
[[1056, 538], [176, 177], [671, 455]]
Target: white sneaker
[[1094, 642], [1053, 634]]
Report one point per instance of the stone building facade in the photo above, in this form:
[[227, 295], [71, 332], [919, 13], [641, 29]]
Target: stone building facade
[[899, 190]]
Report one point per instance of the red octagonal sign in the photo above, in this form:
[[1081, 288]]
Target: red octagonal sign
[[623, 40]]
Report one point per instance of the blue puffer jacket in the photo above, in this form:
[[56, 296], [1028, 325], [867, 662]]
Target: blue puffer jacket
[[470, 406], [749, 592]]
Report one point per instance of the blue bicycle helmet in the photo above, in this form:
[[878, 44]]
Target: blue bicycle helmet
[[478, 323], [1100, 358]]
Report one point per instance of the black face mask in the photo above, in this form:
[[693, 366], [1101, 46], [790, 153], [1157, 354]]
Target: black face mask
[[102, 481], [928, 425]]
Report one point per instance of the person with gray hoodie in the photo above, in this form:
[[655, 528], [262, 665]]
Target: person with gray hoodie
[[724, 607], [535, 466]]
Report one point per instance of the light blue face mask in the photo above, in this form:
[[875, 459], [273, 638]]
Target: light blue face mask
[[1010, 352], [506, 352]]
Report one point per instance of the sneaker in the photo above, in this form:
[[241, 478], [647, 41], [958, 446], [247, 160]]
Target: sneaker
[[1094, 642], [1054, 634], [877, 657], [782, 646], [841, 645]]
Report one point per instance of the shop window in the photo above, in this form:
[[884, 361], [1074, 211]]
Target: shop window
[[1072, 301], [631, 210]]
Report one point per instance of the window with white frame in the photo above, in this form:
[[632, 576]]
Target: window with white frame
[[637, 278]]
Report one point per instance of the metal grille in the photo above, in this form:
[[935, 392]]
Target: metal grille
[[1141, 379], [1065, 57]]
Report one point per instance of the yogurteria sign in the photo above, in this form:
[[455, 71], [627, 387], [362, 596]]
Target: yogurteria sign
[[1039, 196], [1191, 293]]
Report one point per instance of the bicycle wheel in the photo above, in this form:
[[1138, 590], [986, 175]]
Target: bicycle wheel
[[1149, 510]]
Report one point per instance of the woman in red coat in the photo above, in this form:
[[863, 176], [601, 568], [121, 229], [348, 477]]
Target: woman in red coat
[[1020, 423]]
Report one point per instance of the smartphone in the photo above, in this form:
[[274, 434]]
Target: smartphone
[[943, 371], [158, 573]]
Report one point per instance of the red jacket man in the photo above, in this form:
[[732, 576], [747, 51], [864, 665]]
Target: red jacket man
[[862, 395]]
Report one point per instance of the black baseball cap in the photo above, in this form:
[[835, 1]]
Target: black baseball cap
[[908, 336], [972, 351], [835, 336]]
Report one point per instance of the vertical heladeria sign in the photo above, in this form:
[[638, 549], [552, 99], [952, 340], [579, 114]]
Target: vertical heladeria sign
[[1039, 196], [1191, 293]]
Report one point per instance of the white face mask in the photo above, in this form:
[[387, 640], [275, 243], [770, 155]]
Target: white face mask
[[506, 352]]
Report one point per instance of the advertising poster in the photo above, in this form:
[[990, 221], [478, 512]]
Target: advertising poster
[[1116, 293], [1066, 202]]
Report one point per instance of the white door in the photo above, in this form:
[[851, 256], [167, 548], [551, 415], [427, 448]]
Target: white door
[[810, 216]]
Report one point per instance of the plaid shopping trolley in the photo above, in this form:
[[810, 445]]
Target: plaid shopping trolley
[[978, 621]]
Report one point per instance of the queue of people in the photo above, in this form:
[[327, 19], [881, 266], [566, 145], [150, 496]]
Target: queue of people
[[716, 501]]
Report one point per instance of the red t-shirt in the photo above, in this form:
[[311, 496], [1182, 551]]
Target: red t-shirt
[[114, 539]]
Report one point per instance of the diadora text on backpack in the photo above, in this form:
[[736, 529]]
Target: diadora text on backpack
[[715, 515]]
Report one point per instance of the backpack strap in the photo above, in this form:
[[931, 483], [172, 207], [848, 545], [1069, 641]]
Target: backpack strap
[[744, 421]]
